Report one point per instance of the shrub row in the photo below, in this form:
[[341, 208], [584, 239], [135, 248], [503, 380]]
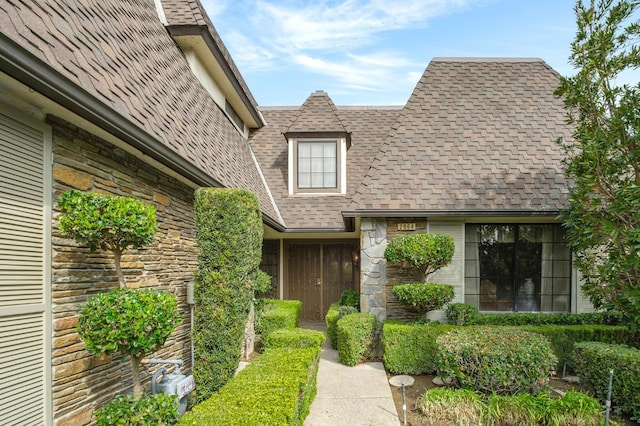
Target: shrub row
[[335, 312], [277, 388], [276, 314], [592, 362], [595, 318], [443, 406], [411, 349], [564, 337], [295, 338], [495, 360], [356, 337]]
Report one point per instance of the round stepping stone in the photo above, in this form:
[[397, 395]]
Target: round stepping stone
[[398, 381]]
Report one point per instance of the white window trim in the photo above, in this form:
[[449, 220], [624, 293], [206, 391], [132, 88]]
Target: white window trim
[[342, 167]]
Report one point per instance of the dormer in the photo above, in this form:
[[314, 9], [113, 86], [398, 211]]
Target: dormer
[[318, 142]]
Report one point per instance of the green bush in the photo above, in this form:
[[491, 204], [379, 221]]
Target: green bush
[[446, 406], [147, 411], [295, 338], [500, 360], [107, 222], [594, 318], [356, 337], [563, 337], [350, 298], [276, 314], [411, 349], [424, 297], [277, 388], [335, 312], [460, 313], [425, 252], [262, 282], [592, 362], [132, 322], [229, 236]]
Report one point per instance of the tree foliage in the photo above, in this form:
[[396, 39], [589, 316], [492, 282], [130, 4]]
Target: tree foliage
[[132, 322], [603, 158], [425, 252], [107, 222]]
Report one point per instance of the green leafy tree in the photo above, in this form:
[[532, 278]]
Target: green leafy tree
[[603, 157], [132, 322], [425, 253], [107, 222]]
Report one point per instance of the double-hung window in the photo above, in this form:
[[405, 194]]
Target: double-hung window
[[316, 166]]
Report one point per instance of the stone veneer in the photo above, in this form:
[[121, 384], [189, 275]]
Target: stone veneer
[[373, 273], [82, 382]]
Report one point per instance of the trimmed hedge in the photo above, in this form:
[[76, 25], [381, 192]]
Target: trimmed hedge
[[500, 360], [411, 349], [148, 410], [277, 388], [335, 312], [595, 318], [356, 337], [592, 362], [564, 337], [295, 338], [278, 314], [229, 234]]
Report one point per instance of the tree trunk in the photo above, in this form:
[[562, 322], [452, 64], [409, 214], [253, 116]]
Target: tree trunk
[[135, 374], [117, 255]]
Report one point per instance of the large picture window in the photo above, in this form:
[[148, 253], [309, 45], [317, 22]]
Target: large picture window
[[317, 165], [517, 268]]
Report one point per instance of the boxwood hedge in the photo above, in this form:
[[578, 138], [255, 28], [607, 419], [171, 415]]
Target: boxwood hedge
[[356, 337], [277, 388]]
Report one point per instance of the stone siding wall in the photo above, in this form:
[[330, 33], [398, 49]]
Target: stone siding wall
[[81, 382]]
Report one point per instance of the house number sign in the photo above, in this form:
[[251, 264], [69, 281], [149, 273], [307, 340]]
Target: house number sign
[[408, 226]]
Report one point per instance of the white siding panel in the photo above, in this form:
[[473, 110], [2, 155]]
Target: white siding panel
[[454, 272], [25, 330]]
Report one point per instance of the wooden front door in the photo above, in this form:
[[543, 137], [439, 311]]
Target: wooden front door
[[318, 272]]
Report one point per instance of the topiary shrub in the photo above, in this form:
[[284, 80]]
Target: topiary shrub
[[131, 322], [107, 222], [425, 252], [350, 298], [276, 314], [229, 235], [592, 362], [158, 409], [460, 313], [411, 349], [295, 338], [334, 314], [499, 360], [424, 297], [356, 337]]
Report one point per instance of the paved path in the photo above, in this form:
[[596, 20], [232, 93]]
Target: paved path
[[350, 396]]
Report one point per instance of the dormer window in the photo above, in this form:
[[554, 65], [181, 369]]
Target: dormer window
[[317, 166]]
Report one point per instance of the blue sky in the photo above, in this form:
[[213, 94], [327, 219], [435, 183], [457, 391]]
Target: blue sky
[[372, 52]]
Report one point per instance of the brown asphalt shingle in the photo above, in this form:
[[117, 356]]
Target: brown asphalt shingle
[[368, 126], [121, 54], [477, 135]]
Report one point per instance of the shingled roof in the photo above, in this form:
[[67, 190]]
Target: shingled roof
[[317, 115], [368, 126], [114, 63], [477, 136]]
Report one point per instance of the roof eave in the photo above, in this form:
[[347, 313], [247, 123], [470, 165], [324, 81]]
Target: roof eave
[[180, 32], [448, 213]]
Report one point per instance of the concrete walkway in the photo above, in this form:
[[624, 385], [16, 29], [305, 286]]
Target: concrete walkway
[[350, 396]]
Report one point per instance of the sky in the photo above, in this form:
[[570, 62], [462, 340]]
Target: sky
[[373, 52]]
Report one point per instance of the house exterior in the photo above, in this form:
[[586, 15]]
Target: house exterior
[[141, 98]]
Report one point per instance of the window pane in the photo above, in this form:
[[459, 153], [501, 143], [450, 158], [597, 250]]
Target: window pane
[[304, 180], [329, 180], [318, 161], [304, 150], [330, 150], [316, 164]]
